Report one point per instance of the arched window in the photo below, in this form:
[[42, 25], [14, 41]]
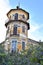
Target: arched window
[[15, 30], [14, 45], [16, 16], [23, 16]]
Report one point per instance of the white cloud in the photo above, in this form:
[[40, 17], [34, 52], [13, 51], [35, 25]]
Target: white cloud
[[4, 8]]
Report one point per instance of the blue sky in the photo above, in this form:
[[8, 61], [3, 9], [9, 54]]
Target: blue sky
[[34, 7]]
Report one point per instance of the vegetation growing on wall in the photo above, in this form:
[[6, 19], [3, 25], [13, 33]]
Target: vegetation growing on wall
[[32, 56]]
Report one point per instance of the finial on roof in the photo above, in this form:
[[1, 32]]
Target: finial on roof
[[18, 5]]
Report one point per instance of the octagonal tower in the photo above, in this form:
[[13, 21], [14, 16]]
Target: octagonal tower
[[17, 30]]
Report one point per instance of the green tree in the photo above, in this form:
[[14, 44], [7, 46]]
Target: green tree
[[32, 56]]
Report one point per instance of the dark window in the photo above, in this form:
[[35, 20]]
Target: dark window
[[23, 45], [15, 30], [16, 16], [23, 29], [23, 16]]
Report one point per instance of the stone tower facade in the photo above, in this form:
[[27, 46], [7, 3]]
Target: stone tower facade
[[17, 30]]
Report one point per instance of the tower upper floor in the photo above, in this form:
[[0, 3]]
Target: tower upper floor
[[18, 14]]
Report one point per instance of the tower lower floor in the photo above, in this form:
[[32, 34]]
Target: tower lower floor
[[15, 43]]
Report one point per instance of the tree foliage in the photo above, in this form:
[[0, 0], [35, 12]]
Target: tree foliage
[[32, 56]]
